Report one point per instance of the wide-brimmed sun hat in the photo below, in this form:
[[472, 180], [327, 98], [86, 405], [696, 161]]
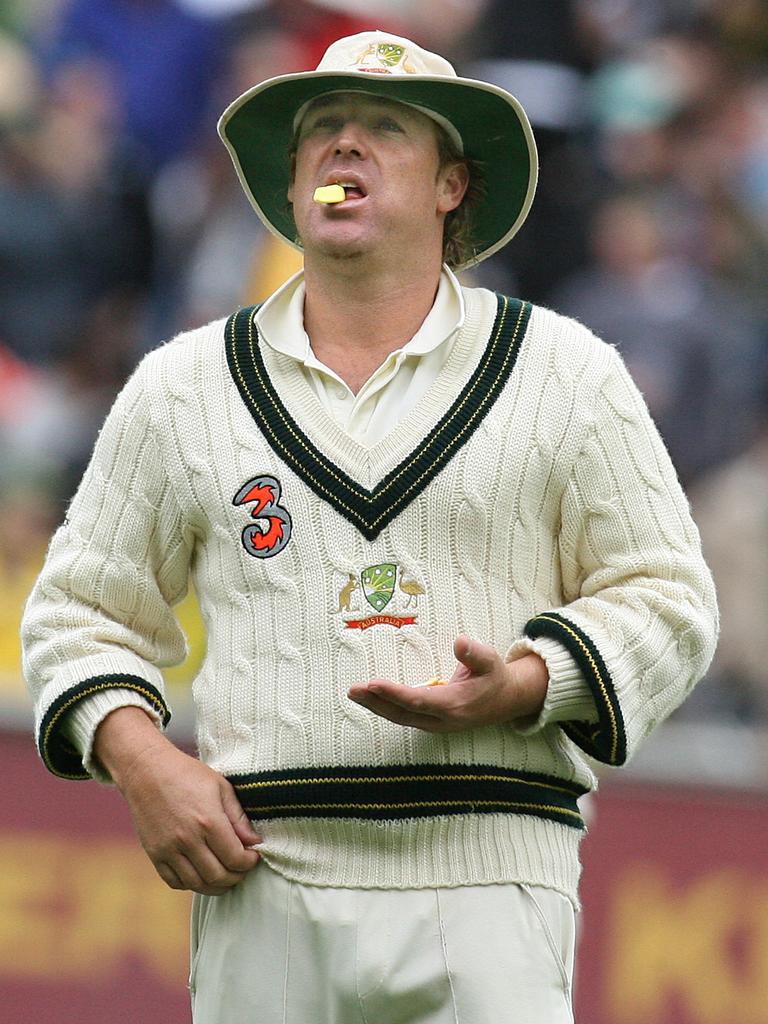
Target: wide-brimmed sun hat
[[488, 122]]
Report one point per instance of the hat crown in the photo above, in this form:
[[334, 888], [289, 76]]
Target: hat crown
[[381, 53]]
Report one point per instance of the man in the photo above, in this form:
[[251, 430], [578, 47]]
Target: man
[[379, 482]]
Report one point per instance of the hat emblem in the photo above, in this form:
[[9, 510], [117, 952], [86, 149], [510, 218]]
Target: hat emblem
[[381, 58]]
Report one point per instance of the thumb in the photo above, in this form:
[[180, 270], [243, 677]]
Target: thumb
[[478, 658], [239, 820]]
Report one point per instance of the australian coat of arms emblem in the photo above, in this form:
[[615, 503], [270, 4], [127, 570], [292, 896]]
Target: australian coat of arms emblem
[[381, 587], [381, 58]]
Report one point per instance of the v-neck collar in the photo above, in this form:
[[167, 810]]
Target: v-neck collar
[[371, 509]]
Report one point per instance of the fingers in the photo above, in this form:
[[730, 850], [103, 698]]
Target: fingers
[[209, 863], [410, 698], [476, 694], [229, 853], [237, 817], [214, 859], [206, 875], [479, 658], [168, 875], [192, 825], [400, 704]]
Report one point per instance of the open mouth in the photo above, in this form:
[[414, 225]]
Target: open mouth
[[351, 190], [337, 192]]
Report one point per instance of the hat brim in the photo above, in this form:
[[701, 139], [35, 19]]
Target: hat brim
[[257, 129]]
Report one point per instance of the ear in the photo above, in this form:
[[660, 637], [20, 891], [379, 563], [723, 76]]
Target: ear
[[452, 187]]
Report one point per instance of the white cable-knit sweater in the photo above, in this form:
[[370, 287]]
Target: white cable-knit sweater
[[527, 500]]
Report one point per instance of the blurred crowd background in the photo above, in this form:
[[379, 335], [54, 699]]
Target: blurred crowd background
[[122, 223]]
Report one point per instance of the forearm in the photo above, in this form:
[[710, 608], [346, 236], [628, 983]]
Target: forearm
[[126, 736]]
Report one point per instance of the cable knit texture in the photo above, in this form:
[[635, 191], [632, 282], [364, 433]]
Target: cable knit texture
[[557, 525]]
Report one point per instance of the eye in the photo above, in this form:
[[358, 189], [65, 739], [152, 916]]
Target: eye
[[326, 122], [388, 124]]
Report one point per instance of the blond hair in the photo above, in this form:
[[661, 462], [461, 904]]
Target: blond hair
[[458, 232]]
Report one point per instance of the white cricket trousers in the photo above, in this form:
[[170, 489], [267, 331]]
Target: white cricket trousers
[[272, 951]]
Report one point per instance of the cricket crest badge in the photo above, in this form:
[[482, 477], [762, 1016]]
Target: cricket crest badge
[[386, 591], [383, 58]]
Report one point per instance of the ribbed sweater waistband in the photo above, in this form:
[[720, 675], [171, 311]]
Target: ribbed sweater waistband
[[397, 792]]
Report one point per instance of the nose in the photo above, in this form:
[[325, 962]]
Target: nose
[[350, 140]]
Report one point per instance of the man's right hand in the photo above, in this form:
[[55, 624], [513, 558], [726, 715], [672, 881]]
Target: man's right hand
[[187, 816]]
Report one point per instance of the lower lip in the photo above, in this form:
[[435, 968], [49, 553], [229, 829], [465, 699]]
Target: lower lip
[[349, 201]]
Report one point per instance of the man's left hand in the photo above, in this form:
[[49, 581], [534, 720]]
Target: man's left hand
[[484, 690]]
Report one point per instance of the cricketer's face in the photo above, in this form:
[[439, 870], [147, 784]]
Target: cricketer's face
[[385, 155]]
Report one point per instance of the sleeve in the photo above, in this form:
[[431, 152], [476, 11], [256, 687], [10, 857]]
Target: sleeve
[[639, 625], [98, 626]]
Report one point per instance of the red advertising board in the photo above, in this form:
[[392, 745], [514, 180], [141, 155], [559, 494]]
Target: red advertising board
[[675, 922], [88, 932], [674, 929]]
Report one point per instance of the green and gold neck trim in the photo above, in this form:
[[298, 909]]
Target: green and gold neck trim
[[370, 510]]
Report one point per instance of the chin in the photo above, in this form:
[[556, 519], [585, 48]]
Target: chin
[[341, 248]]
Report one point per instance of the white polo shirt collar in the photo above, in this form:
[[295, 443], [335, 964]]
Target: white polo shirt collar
[[280, 321]]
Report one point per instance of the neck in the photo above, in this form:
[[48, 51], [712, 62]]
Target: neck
[[354, 321]]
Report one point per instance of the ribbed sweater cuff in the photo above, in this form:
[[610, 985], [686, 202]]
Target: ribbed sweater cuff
[[80, 724], [569, 698]]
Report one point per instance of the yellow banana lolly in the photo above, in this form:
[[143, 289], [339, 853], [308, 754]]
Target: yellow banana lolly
[[329, 194]]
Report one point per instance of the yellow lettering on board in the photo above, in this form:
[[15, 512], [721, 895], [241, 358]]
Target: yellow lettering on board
[[29, 874], [756, 991], [76, 909], [704, 943]]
